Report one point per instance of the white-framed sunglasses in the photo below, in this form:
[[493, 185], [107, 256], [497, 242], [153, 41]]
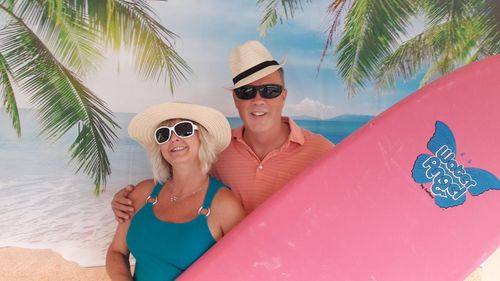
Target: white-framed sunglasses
[[183, 129]]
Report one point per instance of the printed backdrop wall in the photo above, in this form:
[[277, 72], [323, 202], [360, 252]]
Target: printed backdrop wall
[[45, 205]]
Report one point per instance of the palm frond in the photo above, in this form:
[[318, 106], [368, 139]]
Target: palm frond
[[453, 13], [492, 8], [70, 38], [82, 25], [490, 11], [440, 11], [372, 27], [336, 10], [490, 43], [132, 23], [410, 56], [269, 18], [475, 33], [277, 10], [64, 30], [431, 72], [49, 42], [469, 37], [7, 96], [153, 46], [61, 99], [8, 4], [432, 48]]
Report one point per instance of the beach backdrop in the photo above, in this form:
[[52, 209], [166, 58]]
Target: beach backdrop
[[45, 205]]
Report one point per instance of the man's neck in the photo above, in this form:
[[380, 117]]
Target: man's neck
[[264, 142]]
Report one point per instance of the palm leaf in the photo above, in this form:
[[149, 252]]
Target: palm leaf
[[336, 9], [152, 46], [7, 95], [410, 56], [65, 31], [453, 13], [61, 99], [50, 41], [489, 45], [9, 3], [69, 37], [468, 39], [440, 11], [277, 10], [132, 23], [269, 18], [431, 48], [431, 72], [372, 28], [490, 11], [82, 25]]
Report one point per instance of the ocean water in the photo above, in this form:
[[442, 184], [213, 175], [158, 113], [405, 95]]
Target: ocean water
[[44, 205]]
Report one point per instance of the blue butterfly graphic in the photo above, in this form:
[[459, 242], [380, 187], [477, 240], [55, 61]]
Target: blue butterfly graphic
[[450, 180]]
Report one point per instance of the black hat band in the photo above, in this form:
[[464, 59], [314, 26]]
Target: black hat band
[[253, 70]]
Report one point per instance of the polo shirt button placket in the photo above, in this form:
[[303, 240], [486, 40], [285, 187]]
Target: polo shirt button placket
[[258, 171]]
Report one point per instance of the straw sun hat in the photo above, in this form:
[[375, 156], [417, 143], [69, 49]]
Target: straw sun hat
[[144, 124], [250, 62]]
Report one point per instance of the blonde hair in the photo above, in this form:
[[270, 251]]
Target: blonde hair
[[206, 154]]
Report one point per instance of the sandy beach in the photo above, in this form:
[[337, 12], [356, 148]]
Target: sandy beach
[[18, 264]]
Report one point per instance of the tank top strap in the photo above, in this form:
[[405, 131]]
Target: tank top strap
[[213, 186], [156, 189]]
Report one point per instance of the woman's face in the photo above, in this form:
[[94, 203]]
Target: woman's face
[[179, 150]]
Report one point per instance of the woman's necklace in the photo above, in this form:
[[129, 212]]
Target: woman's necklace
[[174, 198]]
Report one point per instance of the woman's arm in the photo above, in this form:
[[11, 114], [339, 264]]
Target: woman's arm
[[227, 212], [117, 258]]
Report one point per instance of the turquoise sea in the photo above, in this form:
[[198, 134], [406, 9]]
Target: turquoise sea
[[45, 205]]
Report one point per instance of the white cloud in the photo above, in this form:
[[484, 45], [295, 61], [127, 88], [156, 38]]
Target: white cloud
[[311, 108]]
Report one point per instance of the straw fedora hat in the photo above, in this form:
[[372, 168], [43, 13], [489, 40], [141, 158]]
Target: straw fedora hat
[[250, 62], [143, 125]]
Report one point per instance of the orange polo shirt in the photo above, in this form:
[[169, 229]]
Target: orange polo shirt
[[253, 180]]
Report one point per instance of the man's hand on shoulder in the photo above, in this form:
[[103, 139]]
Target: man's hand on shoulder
[[122, 205]]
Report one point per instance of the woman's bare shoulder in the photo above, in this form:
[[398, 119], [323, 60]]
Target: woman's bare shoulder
[[226, 204], [227, 210]]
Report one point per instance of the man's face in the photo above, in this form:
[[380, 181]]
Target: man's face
[[260, 114]]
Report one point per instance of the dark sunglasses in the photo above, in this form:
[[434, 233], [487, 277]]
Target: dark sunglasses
[[269, 91], [183, 129]]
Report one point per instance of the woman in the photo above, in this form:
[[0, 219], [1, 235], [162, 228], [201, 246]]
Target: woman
[[182, 211]]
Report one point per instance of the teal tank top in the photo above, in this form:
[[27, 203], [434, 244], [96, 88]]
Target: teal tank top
[[163, 250]]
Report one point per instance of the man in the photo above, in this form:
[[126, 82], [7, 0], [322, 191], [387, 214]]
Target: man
[[268, 150]]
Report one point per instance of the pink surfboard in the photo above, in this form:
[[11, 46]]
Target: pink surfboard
[[413, 195]]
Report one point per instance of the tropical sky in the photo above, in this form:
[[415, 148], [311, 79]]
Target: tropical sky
[[208, 30]]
